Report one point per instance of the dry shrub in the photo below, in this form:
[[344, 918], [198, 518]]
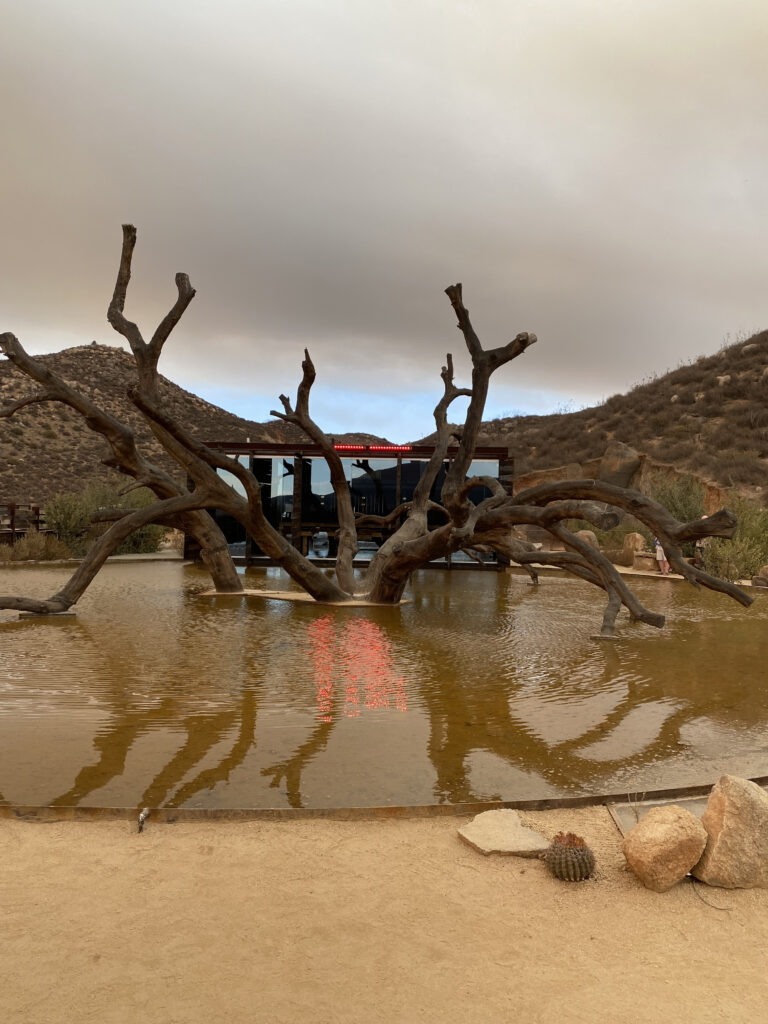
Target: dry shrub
[[39, 547]]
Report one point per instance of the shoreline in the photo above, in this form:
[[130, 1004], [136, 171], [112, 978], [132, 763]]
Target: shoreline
[[173, 815], [543, 570]]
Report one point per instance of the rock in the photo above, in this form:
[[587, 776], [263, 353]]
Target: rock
[[760, 581], [502, 831], [619, 464], [749, 348], [763, 570], [633, 542], [736, 820], [725, 379], [664, 845], [589, 537], [675, 398]]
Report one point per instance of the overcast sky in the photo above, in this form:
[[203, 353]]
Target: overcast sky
[[591, 171]]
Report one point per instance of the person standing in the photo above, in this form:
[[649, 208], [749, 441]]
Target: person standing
[[700, 545], [661, 558]]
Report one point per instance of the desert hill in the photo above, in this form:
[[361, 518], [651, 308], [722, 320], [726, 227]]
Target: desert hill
[[708, 417], [47, 448]]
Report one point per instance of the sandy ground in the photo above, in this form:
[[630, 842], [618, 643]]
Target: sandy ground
[[383, 921]]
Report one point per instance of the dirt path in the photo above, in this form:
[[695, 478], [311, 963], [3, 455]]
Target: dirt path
[[357, 923]]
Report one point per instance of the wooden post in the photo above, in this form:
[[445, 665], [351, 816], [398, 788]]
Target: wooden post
[[296, 516], [507, 481]]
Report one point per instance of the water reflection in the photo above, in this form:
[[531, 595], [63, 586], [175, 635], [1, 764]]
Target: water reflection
[[353, 657], [481, 688]]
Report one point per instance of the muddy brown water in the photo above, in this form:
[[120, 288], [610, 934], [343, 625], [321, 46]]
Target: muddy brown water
[[481, 688]]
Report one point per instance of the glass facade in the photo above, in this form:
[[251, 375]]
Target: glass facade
[[373, 484], [233, 531], [276, 478], [299, 500]]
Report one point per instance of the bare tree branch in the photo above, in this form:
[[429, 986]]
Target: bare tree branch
[[483, 365], [127, 328], [200, 460], [127, 458], [102, 548], [346, 516], [185, 295], [21, 403]]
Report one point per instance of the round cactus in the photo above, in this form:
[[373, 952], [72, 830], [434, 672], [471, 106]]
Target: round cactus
[[569, 858]]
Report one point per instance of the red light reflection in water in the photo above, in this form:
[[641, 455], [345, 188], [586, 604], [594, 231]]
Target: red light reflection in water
[[357, 659]]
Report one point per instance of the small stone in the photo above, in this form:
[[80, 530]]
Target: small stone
[[760, 581], [736, 820], [503, 832], [589, 537], [664, 845]]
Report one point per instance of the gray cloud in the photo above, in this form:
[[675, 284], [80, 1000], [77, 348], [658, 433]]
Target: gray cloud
[[323, 170]]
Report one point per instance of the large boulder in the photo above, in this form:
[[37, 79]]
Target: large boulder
[[619, 464], [633, 542], [664, 845], [736, 820], [760, 581]]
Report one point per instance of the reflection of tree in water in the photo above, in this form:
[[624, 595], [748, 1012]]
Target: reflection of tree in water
[[290, 769], [475, 712], [468, 693], [203, 732], [127, 723], [203, 729], [353, 671], [464, 719]]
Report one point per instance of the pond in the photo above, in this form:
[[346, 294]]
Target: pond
[[481, 688]]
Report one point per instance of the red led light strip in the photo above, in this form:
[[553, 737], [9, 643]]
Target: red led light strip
[[372, 447]]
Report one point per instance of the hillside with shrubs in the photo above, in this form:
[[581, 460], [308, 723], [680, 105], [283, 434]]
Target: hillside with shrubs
[[47, 449], [708, 417]]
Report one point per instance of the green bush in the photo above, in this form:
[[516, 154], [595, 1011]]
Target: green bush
[[742, 557], [682, 496], [70, 515]]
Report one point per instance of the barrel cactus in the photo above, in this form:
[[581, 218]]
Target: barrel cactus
[[569, 858]]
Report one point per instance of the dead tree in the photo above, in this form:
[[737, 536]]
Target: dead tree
[[486, 525]]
